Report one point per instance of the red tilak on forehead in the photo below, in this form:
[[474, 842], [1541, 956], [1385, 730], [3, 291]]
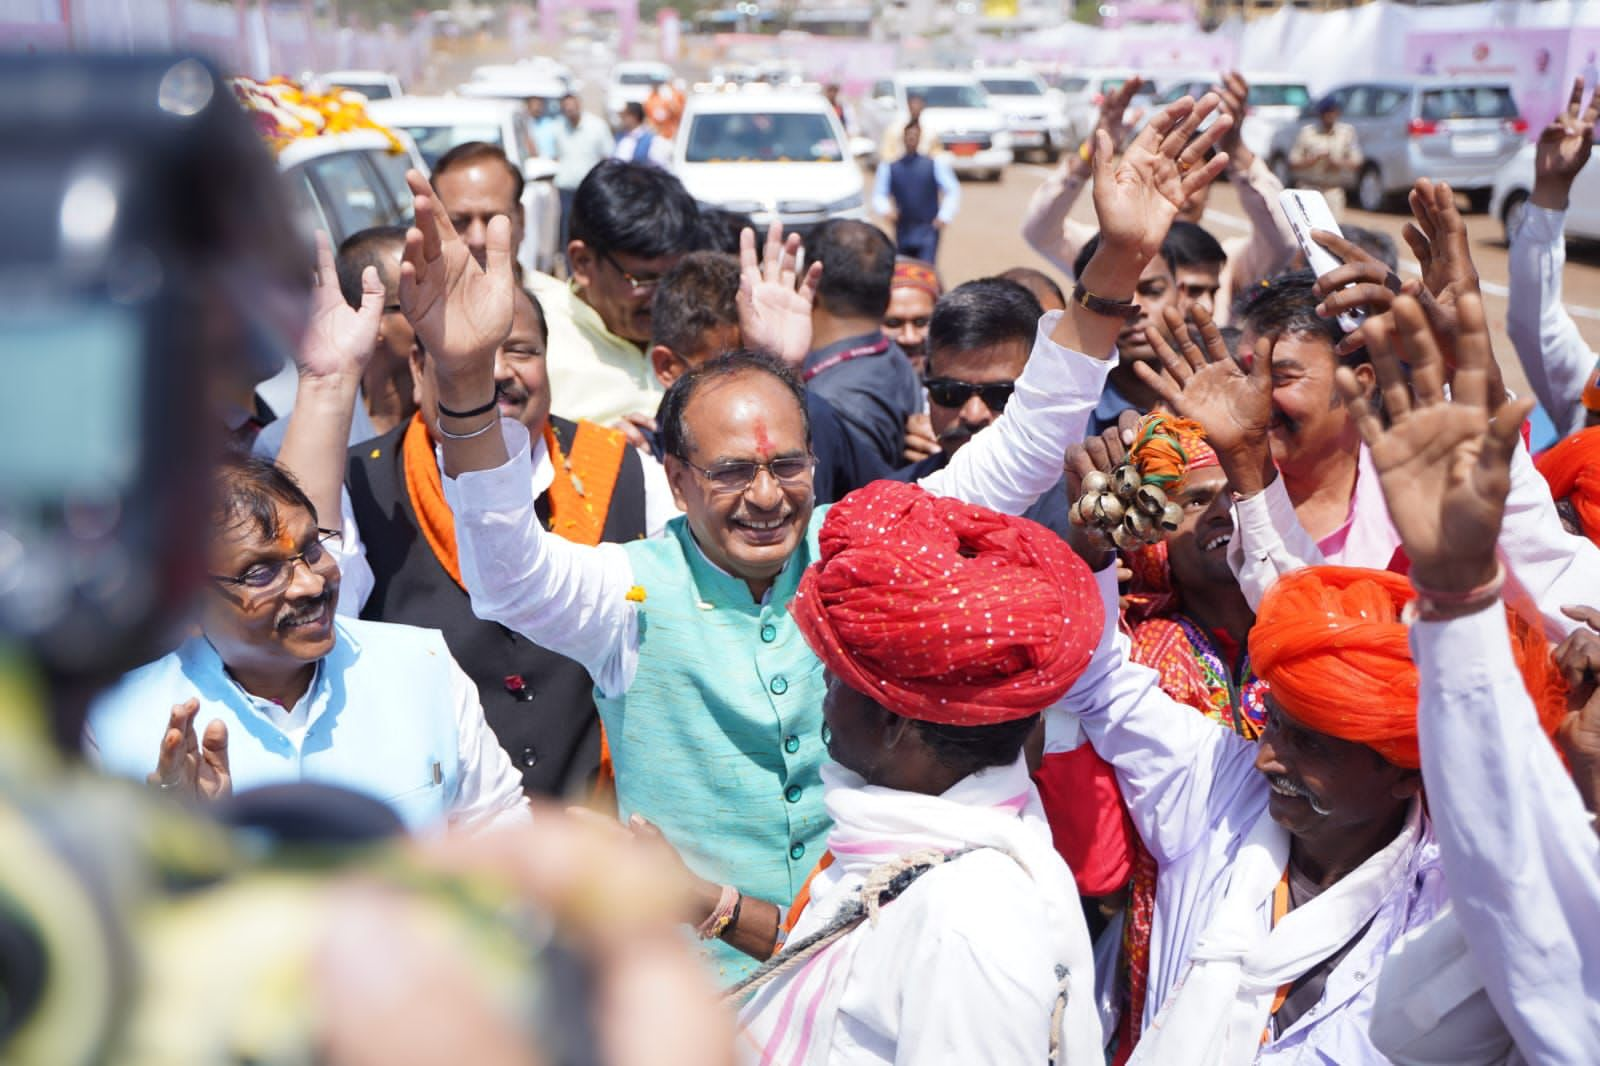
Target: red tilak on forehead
[[763, 442]]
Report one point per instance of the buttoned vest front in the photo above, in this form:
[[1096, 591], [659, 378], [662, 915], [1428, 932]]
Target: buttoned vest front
[[718, 740], [381, 719]]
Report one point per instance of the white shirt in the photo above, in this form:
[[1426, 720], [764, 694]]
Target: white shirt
[[355, 574], [1553, 353], [1516, 843], [572, 598], [1193, 792], [1545, 565]]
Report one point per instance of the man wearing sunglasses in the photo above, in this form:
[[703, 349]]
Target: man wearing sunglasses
[[629, 225], [275, 688], [979, 337]]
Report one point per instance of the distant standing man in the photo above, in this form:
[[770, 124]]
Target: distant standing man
[[638, 142], [1327, 155], [925, 197], [664, 108], [582, 141]]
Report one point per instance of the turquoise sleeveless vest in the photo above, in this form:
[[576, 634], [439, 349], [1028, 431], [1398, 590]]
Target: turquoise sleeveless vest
[[718, 741]]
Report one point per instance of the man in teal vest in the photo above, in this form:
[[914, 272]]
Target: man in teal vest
[[710, 697]]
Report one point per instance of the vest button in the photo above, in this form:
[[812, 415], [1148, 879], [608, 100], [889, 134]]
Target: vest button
[[530, 757], [791, 744], [792, 793], [797, 851], [769, 633], [780, 685]]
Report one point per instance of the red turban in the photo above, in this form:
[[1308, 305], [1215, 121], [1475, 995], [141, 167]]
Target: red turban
[[1572, 467], [915, 274], [1332, 648], [946, 612]]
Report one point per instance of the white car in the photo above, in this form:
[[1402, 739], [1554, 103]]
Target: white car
[[539, 92], [373, 84], [972, 134], [1513, 186], [439, 123], [1034, 113], [631, 84], [769, 154]]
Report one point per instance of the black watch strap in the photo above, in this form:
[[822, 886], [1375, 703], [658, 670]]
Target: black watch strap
[[1126, 310]]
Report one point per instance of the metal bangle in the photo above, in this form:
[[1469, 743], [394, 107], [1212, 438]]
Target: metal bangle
[[480, 431]]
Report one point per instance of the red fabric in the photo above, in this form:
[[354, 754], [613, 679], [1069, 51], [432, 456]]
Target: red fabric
[[1572, 467], [1087, 820], [1329, 642], [915, 274], [946, 612]]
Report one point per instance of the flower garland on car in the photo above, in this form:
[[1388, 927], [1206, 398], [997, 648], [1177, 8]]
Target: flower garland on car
[[283, 112]]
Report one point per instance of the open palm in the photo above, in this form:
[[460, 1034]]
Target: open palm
[[339, 338], [774, 301], [1232, 402]]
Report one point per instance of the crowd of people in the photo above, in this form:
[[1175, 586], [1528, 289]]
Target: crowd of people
[[1141, 669]]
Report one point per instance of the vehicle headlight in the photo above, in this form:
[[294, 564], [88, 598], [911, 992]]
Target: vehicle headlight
[[849, 203]]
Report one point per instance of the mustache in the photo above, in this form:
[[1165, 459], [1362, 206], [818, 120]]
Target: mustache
[[511, 391], [304, 612], [1288, 784], [956, 434]]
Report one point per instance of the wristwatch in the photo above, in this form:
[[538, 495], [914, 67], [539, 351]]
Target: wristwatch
[[1126, 310]]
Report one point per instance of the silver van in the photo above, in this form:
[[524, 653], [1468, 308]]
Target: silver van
[[1460, 132]]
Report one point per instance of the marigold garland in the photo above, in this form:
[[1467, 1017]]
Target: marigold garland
[[283, 112]]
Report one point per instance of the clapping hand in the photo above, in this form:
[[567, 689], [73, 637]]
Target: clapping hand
[[1229, 397], [774, 298], [339, 339], [193, 767], [1563, 148], [460, 310], [1444, 464]]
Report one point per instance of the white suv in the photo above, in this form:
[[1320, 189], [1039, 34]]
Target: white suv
[[1035, 114], [956, 109]]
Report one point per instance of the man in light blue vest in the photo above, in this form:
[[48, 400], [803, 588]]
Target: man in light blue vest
[[710, 697], [291, 692]]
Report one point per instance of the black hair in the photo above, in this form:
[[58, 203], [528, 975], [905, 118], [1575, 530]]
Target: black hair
[[247, 490], [1188, 244], [971, 748], [675, 434], [857, 268], [982, 313], [477, 152], [697, 295], [1037, 282], [633, 209], [1288, 304], [718, 229], [1375, 243], [373, 247], [634, 108], [1087, 253]]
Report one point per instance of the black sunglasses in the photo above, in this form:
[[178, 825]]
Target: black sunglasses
[[948, 392]]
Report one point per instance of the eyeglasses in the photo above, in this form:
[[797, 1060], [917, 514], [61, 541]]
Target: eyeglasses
[[948, 392], [738, 476], [638, 285], [274, 575]]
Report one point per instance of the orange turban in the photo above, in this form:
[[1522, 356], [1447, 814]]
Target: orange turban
[[1332, 648], [1572, 467], [915, 274], [947, 612]]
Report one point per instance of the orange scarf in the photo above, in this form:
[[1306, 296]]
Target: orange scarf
[[803, 897], [579, 496]]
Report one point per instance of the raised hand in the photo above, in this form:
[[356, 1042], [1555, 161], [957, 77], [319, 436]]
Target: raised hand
[[1231, 399], [461, 311], [1563, 148], [1234, 92], [1137, 196], [1363, 281], [192, 767], [1444, 464], [774, 298], [1114, 118], [1578, 735], [339, 339]]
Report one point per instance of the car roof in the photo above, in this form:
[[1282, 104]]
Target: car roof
[[440, 108], [302, 149], [533, 85], [937, 77], [746, 102]]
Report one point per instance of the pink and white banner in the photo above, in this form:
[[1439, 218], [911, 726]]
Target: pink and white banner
[[1538, 64]]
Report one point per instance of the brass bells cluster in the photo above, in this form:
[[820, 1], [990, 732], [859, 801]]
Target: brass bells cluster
[[1125, 509]]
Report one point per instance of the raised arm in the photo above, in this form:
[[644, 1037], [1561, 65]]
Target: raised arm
[[1271, 244]]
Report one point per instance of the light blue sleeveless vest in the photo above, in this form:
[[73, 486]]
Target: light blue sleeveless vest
[[382, 719], [718, 740]]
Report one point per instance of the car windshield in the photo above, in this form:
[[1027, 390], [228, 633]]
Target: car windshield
[[1468, 101], [1012, 87], [371, 92], [762, 138], [1279, 96], [947, 95], [1072, 85], [435, 141], [636, 79]]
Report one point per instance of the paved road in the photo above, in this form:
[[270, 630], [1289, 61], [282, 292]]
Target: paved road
[[985, 240]]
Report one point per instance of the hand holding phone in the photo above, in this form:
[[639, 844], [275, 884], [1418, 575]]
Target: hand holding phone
[[1308, 211]]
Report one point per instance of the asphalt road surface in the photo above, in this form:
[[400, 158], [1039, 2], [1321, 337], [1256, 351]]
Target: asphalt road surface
[[985, 239]]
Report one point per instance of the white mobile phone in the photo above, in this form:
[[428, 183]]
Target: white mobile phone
[[1308, 210]]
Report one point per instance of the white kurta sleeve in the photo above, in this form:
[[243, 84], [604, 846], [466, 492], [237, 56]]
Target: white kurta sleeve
[[659, 506], [489, 789], [570, 598], [1272, 243], [1268, 541], [1519, 850], [1046, 225], [355, 573], [1009, 464], [1174, 765], [1552, 351], [1546, 566]]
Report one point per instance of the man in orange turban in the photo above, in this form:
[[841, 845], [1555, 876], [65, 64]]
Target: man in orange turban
[[1572, 468]]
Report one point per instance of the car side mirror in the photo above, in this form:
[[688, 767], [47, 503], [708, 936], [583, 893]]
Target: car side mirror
[[538, 169]]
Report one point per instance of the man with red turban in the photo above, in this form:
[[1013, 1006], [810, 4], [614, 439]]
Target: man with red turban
[[941, 926]]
